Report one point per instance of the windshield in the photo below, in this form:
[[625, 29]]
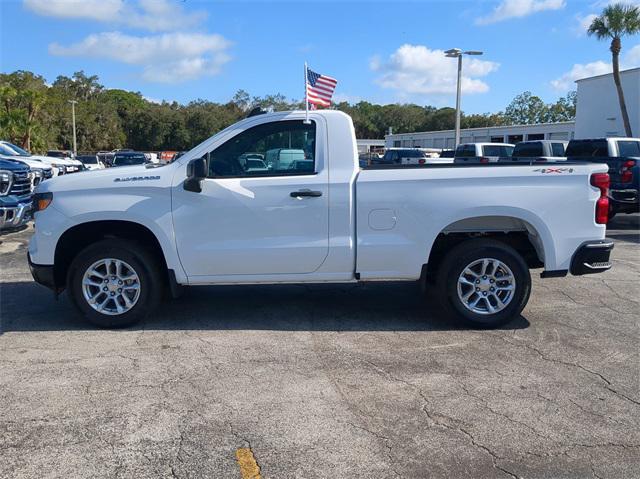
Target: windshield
[[5, 150], [256, 164], [15, 149], [88, 159], [497, 150], [124, 160]]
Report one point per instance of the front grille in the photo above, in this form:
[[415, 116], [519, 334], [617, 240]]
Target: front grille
[[36, 177], [21, 184]]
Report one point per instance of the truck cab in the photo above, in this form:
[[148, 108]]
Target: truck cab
[[540, 150], [468, 153]]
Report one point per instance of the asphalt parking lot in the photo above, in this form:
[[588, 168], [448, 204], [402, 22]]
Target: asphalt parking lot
[[365, 381]]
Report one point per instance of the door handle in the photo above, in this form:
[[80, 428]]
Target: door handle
[[301, 193]]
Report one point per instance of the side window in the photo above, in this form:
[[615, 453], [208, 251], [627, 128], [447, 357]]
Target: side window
[[470, 151], [465, 151], [279, 148], [528, 150], [629, 148], [557, 149]]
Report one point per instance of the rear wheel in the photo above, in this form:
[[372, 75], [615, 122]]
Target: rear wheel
[[484, 282], [115, 283]]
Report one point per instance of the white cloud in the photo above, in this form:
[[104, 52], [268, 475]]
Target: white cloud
[[417, 70], [519, 8], [565, 82], [632, 57], [583, 23], [168, 58], [153, 15]]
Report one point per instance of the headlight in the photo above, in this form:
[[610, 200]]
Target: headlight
[[59, 168], [6, 180]]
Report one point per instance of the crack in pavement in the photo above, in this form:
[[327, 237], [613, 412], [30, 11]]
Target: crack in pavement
[[431, 416], [608, 386]]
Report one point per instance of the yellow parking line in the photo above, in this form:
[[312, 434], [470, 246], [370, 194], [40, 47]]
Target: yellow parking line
[[249, 468]]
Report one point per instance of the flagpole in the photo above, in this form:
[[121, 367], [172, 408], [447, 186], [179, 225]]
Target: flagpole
[[306, 95]]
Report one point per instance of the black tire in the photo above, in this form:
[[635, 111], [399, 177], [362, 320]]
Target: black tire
[[465, 254], [145, 265]]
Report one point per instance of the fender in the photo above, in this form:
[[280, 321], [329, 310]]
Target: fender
[[538, 226]]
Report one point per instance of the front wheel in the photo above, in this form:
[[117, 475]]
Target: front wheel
[[484, 282], [115, 283]]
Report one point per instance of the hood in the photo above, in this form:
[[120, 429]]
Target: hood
[[12, 165], [122, 177], [51, 159], [31, 163]]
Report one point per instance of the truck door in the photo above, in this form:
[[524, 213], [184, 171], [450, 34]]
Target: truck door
[[258, 214]]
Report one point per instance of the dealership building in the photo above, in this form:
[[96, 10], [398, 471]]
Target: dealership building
[[597, 115]]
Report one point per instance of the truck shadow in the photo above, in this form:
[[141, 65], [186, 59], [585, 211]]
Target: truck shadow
[[26, 306]]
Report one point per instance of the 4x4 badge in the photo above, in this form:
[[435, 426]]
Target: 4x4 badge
[[554, 170]]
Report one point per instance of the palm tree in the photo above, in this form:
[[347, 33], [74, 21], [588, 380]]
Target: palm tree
[[615, 22]]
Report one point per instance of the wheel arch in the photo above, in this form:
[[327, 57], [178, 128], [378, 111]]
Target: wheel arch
[[526, 233], [81, 235]]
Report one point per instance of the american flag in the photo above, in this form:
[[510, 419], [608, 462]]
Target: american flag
[[319, 88]]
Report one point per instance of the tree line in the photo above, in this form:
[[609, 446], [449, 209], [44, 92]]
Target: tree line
[[37, 115]]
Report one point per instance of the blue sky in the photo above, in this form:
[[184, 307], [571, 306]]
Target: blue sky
[[382, 52]]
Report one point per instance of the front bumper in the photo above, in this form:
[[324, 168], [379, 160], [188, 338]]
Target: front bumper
[[42, 274], [15, 215], [592, 257]]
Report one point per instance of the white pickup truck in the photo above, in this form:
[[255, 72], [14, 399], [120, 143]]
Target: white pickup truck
[[118, 238]]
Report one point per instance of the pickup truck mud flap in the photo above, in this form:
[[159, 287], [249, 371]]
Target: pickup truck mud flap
[[592, 257]]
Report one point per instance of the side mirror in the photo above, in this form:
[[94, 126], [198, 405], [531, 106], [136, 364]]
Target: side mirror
[[196, 172]]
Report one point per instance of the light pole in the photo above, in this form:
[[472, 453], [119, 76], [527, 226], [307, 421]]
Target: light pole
[[73, 119], [457, 53]]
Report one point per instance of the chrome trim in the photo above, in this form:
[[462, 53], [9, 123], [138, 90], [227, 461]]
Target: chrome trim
[[18, 215]]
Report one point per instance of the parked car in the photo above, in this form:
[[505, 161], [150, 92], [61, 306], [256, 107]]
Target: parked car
[[282, 158], [622, 155], [152, 157], [128, 158], [15, 194], [58, 166], [365, 159], [167, 156], [38, 171], [106, 157], [537, 151], [91, 162], [117, 240], [482, 152], [403, 156], [74, 165]]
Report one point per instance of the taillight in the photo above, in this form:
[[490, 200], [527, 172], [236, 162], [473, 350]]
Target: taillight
[[601, 181], [421, 161], [626, 175], [484, 160]]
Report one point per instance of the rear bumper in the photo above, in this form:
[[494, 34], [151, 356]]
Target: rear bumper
[[624, 200], [592, 257], [15, 215], [42, 274]]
